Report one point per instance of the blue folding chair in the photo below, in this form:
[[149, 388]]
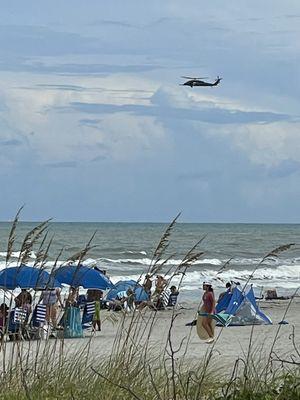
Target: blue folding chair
[[17, 319], [39, 315], [88, 314]]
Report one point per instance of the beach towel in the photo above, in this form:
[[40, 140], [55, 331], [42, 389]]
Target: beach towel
[[72, 323]]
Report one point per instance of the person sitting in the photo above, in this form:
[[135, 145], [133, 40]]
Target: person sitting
[[124, 299], [228, 290], [24, 300], [173, 296]]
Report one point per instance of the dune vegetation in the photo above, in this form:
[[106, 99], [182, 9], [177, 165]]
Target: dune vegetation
[[45, 370]]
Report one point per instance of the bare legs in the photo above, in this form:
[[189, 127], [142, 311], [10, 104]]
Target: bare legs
[[207, 325]]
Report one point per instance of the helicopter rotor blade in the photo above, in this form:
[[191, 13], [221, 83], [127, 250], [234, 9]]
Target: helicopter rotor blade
[[193, 77]]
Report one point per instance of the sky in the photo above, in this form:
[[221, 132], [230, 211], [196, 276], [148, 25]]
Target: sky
[[94, 125]]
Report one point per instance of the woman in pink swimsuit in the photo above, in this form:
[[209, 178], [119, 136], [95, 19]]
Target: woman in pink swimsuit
[[208, 307]]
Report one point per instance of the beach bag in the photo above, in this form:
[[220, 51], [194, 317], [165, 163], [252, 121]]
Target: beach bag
[[72, 323]]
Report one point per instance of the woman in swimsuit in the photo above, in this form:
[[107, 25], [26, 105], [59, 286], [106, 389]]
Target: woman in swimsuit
[[209, 308]]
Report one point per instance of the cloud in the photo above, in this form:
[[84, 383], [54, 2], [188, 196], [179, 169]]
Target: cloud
[[73, 69], [44, 86], [270, 145], [11, 142], [212, 115], [90, 121], [103, 100], [113, 23], [62, 164]]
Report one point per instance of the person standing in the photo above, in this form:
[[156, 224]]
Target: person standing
[[160, 284], [147, 285], [51, 298], [208, 307], [98, 295], [72, 297]]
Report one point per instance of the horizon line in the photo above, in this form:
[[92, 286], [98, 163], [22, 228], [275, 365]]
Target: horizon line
[[155, 222]]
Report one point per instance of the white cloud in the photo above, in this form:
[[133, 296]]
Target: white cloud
[[55, 135], [269, 144]]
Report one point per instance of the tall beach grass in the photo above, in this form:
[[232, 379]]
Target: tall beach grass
[[54, 369]]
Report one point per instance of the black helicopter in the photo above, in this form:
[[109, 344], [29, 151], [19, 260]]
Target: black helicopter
[[198, 82]]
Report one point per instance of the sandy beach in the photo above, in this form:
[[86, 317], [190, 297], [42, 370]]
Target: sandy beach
[[232, 342]]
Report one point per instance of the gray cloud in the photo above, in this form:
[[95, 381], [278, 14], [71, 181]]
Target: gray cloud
[[112, 23], [89, 121], [211, 115], [74, 69], [73, 88], [62, 164], [11, 142]]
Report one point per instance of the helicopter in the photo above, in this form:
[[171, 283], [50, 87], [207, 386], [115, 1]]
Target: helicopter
[[198, 82]]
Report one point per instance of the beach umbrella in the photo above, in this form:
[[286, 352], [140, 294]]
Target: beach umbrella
[[26, 277], [140, 293], [81, 275]]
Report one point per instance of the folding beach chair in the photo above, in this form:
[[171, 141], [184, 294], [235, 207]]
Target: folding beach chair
[[163, 300], [88, 314], [20, 315], [37, 328], [39, 315], [16, 324], [222, 319]]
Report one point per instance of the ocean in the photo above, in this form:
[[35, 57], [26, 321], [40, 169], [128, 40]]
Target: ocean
[[125, 251]]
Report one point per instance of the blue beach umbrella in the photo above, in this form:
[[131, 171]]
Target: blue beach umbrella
[[140, 293], [26, 277], [84, 276]]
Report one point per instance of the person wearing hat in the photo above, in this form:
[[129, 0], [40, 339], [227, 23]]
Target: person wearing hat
[[209, 308]]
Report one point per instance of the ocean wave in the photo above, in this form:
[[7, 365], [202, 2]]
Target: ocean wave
[[283, 276], [214, 262], [16, 254], [147, 261], [142, 252]]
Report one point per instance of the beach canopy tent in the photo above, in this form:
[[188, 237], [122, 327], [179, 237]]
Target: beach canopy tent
[[242, 307], [139, 292], [25, 277], [224, 302], [81, 275]]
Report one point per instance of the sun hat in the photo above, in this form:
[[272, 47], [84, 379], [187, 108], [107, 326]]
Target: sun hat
[[207, 283]]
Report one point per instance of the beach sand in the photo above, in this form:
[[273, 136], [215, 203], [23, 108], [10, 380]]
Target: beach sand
[[231, 343]]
